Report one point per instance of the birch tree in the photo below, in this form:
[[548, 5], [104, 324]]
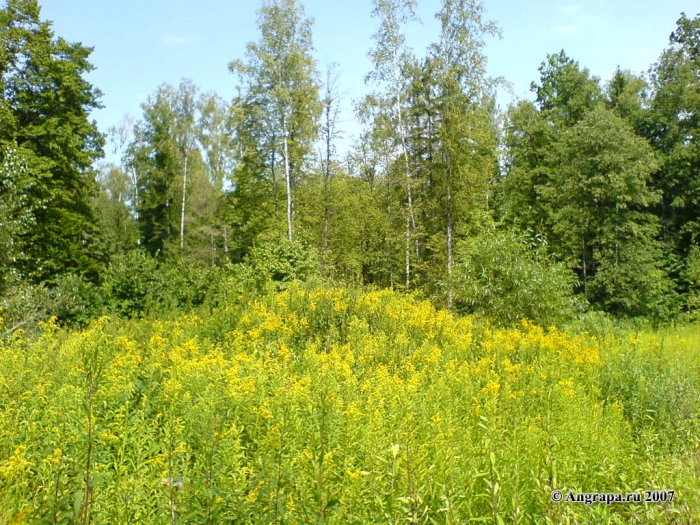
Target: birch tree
[[329, 134], [178, 158], [389, 57], [185, 135], [466, 131], [279, 81]]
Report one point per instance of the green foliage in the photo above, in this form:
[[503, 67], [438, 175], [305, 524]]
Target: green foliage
[[628, 97], [23, 307], [47, 144], [508, 277], [76, 301], [277, 110], [656, 398], [602, 215], [691, 274], [16, 214], [176, 164], [281, 261], [113, 207], [136, 284], [158, 152], [70, 299], [566, 91], [586, 188], [636, 284], [674, 129], [330, 406], [131, 283]]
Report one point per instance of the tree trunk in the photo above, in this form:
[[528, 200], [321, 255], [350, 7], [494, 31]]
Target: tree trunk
[[326, 200], [408, 252], [135, 182], [274, 184], [583, 266], [449, 237], [390, 252], [184, 202], [411, 221], [288, 180], [331, 116]]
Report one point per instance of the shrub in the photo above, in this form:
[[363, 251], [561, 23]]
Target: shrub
[[131, 283], [135, 284], [282, 261], [691, 275], [70, 298], [508, 277], [75, 300], [633, 285]]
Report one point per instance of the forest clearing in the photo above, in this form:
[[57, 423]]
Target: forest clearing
[[230, 309]]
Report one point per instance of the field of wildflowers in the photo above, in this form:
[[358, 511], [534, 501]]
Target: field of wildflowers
[[318, 405]]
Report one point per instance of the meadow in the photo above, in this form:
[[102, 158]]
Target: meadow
[[323, 405]]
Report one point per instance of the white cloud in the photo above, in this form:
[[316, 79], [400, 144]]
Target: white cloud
[[567, 30], [177, 40], [570, 9]]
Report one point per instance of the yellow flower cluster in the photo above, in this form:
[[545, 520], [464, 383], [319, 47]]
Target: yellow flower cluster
[[372, 407]]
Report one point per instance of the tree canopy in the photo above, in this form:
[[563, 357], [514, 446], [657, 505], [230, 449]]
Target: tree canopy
[[48, 145], [603, 173]]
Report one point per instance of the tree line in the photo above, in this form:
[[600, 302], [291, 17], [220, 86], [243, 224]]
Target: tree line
[[586, 197]]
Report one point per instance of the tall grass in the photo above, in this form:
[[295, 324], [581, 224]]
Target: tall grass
[[331, 406]]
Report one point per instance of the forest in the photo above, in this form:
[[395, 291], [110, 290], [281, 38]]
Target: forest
[[237, 322]]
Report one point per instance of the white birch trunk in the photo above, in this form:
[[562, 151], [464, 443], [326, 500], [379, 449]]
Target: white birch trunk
[[410, 219], [288, 180], [184, 203]]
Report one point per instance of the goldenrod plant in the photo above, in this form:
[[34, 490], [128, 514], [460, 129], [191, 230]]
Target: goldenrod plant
[[321, 405]]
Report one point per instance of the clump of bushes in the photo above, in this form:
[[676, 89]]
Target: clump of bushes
[[507, 277], [135, 284]]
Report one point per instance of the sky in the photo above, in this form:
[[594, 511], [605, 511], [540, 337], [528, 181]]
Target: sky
[[141, 44]]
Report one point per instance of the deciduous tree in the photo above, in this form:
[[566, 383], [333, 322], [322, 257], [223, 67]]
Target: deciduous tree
[[279, 95], [45, 103]]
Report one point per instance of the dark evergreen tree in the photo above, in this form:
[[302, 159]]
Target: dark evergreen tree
[[47, 145]]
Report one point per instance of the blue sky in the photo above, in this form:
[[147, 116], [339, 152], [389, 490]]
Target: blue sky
[[140, 44]]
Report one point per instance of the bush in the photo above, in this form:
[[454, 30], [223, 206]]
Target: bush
[[282, 261], [135, 284], [507, 277], [131, 284], [185, 285], [75, 300], [23, 307], [691, 275], [635, 284], [70, 298]]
